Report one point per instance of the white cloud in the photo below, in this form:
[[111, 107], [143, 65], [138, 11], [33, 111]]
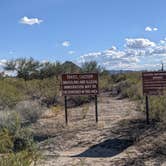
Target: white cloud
[[138, 54], [163, 42], [66, 43], [150, 29], [155, 29], [30, 21], [159, 50], [113, 48], [71, 52], [109, 58], [139, 43], [2, 62]]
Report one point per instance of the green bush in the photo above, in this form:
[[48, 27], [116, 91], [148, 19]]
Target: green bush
[[9, 95], [16, 144], [6, 143], [23, 158], [105, 81], [11, 132], [134, 91], [10, 121], [46, 90], [130, 85], [158, 107], [118, 77]]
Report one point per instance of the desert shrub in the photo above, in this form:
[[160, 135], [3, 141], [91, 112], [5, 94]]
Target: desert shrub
[[23, 158], [9, 95], [128, 85], [134, 91], [50, 91], [158, 107], [46, 90], [6, 143], [16, 143], [12, 130], [10, 121], [18, 83], [33, 89], [122, 88], [105, 81], [29, 111], [118, 77], [90, 66]]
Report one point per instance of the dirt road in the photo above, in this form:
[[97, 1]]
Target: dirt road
[[113, 141]]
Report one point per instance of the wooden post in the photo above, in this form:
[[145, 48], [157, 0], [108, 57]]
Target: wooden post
[[66, 115], [147, 110], [96, 109]]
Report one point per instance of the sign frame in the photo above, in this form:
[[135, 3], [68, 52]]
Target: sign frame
[[84, 94], [153, 83], [156, 80], [81, 94]]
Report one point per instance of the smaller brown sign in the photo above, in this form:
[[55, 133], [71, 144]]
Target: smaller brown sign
[[154, 83], [80, 84]]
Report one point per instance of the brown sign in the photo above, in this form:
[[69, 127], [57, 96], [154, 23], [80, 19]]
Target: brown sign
[[154, 83], [80, 84]]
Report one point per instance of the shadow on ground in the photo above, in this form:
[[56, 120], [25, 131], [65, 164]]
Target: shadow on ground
[[108, 148], [125, 134]]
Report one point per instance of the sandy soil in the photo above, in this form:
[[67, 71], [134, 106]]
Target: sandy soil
[[115, 140]]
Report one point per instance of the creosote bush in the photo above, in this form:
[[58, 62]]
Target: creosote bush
[[158, 107], [9, 94], [16, 144], [6, 143], [23, 158]]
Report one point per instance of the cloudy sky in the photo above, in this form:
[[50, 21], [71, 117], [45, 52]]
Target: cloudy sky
[[118, 34]]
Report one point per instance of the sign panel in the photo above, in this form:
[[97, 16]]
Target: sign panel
[[80, 84], [154, 83]]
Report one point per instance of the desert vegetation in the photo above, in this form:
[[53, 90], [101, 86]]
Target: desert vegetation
[[129, 85], [34, 87]]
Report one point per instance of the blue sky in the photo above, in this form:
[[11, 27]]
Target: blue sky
[[119, 34]]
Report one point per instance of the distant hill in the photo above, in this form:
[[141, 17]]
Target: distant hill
[[70, 67]]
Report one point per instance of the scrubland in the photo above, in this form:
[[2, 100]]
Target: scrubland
[[32, 128]]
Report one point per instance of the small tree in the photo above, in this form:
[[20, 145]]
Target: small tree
[[25, 68], [50, 69], [91, 66]]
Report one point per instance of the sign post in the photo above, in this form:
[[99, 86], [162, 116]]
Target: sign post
[[96, 109], [80, 84], [66, 114], [154, 83], [147, 110]]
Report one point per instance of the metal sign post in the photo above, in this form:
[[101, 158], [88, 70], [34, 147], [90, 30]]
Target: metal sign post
[[66, 113], [147, 110], [96, 109]]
